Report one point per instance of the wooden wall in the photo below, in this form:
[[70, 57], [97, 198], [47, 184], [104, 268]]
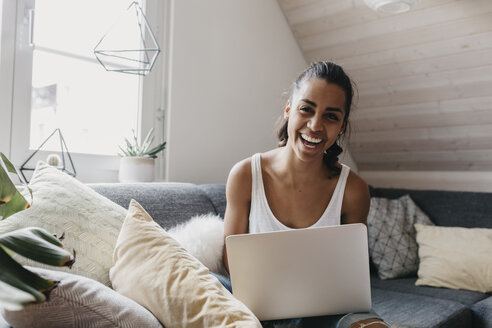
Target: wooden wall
[[424, 115]]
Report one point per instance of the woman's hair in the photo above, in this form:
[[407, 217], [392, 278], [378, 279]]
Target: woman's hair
[[331, 73]]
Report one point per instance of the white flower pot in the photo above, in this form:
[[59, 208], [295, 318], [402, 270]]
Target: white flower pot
[[136, 169]]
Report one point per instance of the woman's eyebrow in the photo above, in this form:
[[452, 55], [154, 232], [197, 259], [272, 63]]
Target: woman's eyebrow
[[312, 103], [327, 109]]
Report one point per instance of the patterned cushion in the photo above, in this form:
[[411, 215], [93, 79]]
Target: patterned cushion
[[392, 243], [62, 204], [81, 302]]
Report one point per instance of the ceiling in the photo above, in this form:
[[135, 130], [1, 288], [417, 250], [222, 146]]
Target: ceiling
[[424, 79]]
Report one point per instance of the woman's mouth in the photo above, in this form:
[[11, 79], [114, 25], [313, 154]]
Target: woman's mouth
[[310, 142]]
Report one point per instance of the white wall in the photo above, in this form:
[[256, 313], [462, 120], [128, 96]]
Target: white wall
[[231, 62]]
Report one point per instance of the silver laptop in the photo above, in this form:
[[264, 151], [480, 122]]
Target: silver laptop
[[302, 272]]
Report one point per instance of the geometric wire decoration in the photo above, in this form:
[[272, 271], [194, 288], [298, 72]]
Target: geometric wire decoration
[[63, 150], [130, 45]]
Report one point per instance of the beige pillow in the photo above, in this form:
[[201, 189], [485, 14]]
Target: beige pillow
[[62, 204], [453, 257], [152, 268]]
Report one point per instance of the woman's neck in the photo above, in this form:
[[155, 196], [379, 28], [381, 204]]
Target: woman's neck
[[297, 172]]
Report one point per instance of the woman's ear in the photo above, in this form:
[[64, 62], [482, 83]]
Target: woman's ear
[[287, 110], [342, 130]]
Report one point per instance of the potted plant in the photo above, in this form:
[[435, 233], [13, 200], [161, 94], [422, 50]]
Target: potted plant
[[19, 286], [138, 159]]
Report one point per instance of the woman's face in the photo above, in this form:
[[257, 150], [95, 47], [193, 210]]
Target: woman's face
[[315, 118]]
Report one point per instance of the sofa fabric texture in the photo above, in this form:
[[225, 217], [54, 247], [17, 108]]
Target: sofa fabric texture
[[169, 204]]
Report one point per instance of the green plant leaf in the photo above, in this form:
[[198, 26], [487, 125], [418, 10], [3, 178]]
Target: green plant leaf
[[136, 145], [130, 148], [149, 138], [11, 200], [157, 149], [17, 276], [10, 167], [12, 298], [125, 153], [37, 244], [137, 149]]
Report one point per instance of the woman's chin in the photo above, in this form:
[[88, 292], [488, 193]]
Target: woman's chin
[[309, 151]]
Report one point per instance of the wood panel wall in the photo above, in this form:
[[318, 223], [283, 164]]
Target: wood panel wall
[[424, 79]]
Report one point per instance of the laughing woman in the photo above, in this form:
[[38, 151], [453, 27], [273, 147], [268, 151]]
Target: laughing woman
[[301, 184]]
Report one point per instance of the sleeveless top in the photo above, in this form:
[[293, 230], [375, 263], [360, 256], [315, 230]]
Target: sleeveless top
[[261, 217]]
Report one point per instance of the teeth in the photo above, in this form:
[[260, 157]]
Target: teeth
[[310, 139]]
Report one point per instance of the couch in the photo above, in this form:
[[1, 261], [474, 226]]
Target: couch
[[399, 301]]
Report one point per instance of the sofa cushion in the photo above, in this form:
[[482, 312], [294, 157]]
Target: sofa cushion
[[455, 257], [153, 269], [81, 302], [416, 311], [216, 194], [392, 244], [447, 208], [62, 204], [407, 285], [482, 313], [168, 203]]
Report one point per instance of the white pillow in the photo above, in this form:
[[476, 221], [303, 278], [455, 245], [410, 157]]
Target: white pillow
[[62, 204], [454, 257], [153, 269], [203, 237], [81, 302]]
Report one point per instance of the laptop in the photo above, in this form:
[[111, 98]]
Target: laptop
[[302, 272]]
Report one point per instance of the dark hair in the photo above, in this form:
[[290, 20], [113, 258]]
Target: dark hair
[[331, 73]]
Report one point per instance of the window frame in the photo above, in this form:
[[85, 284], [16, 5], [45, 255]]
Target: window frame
[[15, 92]]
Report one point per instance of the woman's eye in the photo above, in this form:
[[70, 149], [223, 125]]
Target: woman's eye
[[305, 109], [333, 117]]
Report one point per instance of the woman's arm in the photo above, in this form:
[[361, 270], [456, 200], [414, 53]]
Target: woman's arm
[[356, 200], [238, 195]]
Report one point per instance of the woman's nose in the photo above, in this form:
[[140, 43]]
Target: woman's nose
[[315, 123]]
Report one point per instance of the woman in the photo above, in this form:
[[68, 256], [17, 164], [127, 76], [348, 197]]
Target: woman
[[301, 184]]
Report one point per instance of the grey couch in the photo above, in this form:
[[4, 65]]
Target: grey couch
[[399, 301]]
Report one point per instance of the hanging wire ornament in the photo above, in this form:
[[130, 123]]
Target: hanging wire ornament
[[58, 161], [130, 45]]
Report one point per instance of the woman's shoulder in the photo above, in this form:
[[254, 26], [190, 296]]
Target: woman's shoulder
[[243, 168], [356, 186], [356, 199], [239, 182]]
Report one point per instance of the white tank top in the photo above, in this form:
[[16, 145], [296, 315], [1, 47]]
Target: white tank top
[[261, 217]]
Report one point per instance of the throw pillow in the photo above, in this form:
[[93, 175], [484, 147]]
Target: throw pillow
[[62, 204], [80, 302], [153, 269], [392, 244], [203, 237], [455, 257]]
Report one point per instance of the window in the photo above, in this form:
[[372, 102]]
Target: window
[[94, 109], [58, 83]]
